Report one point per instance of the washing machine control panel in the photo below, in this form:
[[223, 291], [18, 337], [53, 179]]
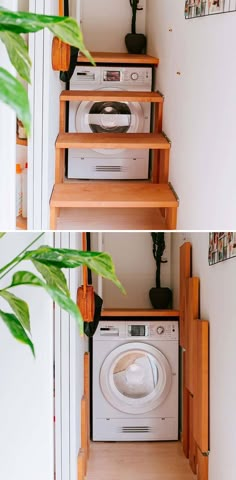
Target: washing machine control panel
[[155, 330]]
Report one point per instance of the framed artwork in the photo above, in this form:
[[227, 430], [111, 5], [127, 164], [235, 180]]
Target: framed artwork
[[222, 246], [202, 8]]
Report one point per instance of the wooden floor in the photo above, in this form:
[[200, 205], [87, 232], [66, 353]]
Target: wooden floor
[[138, 461]]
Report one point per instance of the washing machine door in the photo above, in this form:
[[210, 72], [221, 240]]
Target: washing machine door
[[109, 117], [135, 378]]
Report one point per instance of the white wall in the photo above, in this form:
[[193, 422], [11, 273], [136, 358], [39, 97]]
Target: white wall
[[199, 109], [105, 24], [26, 400], [218, 305], [135, 267]]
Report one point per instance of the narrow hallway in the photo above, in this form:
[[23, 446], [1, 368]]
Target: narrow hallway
[[142, 461]]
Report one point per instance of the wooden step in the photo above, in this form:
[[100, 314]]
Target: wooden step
[[113, 96], [115, 195], [123, 58], [155, 141]]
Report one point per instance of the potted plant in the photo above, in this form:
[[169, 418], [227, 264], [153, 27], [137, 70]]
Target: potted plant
[[135, 42], [161, 298], [49, 264], [12, 26]]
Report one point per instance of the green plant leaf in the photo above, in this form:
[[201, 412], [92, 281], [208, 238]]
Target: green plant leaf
[[25, 278], [19, 307], [54, 276], [16, 329], [99, 262], [2, 234], [65, 302], [65, 28], [14, 94], [18, 53]]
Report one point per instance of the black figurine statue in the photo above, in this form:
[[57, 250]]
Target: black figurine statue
[[135, 42], [161, 298]]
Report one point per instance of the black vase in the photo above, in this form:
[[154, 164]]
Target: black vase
[[161, 298], [136, 43]]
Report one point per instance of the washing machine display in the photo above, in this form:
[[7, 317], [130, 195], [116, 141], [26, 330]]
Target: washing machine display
[[110, 117], [135, 381]]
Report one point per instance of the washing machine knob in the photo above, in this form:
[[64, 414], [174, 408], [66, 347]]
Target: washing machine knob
[[134, 76], [160, 330]]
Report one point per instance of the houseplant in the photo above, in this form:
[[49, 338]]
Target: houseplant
[[161, 298], [135, 42], [12, 26], [48, 263]]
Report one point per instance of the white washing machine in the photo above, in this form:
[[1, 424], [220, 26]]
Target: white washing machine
[[110, 117], [135, 381]]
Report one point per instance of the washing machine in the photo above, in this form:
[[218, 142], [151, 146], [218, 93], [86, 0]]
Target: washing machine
[[135, 381], [104, 116]]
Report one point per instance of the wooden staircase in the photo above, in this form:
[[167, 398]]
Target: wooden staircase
[[142, 204]]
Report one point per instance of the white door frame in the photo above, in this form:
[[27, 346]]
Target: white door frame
[[67, 406]]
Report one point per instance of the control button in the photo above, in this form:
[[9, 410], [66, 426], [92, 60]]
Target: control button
[[134, 76], [160, 330]]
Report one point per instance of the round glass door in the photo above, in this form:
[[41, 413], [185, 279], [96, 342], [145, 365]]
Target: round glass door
[[109, 117], [135, 378]]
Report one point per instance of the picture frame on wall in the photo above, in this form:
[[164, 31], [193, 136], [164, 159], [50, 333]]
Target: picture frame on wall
[[202, 8], [222, 246], [216, 6]]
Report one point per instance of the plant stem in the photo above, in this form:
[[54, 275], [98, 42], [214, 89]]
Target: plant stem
[[7, 268], [134, 16]]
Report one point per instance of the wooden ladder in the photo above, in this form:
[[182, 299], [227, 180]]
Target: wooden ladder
[[145, 204]]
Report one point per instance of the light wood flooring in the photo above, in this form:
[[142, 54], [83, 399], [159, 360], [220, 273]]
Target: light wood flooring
[[138, 461]]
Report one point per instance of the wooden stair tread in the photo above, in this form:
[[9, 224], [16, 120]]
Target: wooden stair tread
[[113, 194], [153, 141], [116, 57], [94, 219], [112, 96]]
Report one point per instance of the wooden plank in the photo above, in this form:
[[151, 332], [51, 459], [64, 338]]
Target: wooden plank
[[59, 165], [138, 460], [113, 194], [201, 384], [124, 58], [141, 312], [113, 96], [108, 140], [164, 166], [81, 465], [202, 469], [21, 223], [107, 219], [185, 410], [185, 272], [157, 128], [62, 120], [54, 213], [171, 218], [192, 312], [84, 428], [87, 394], [192, 443]]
